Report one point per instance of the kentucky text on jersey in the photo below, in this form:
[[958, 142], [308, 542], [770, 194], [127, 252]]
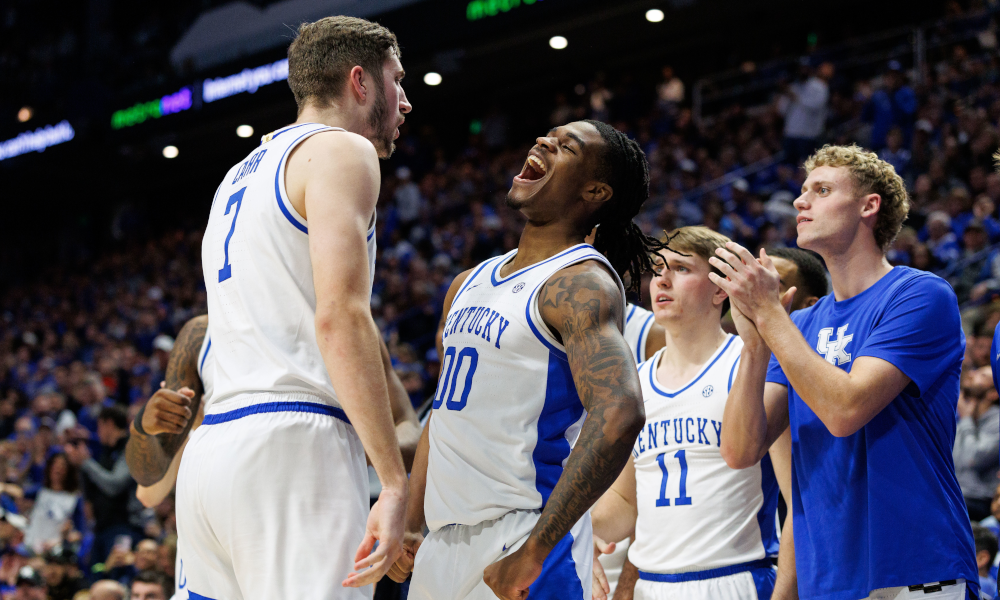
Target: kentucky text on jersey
[[687, 429], [476, 320]]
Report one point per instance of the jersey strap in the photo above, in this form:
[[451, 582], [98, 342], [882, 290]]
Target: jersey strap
[[762, 563], [273, 407]]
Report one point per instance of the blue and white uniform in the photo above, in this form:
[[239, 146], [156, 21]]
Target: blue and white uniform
[[704, 531], [638, 322], [506, 415], [273, 423], [879, 513]]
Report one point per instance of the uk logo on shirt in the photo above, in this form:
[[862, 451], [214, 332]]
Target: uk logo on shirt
[[835, 351]]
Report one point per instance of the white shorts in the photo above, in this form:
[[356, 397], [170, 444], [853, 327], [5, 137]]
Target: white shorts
[[450, 562], [751, 584], [272, 501], [928, 591]]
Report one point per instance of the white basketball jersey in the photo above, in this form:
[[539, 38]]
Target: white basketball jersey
[[638, 322], [695, 512], [506, 411], [206, 370], [259, 280]]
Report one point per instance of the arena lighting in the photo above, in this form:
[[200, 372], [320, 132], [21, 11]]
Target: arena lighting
[[654, 15], [432, 78], [558, 42], [244, 131], [247, 80], [480, 9], [170, 152], [154, 109], [24, 115], [37, 140]]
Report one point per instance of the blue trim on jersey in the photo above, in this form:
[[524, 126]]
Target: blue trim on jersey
[[201, 363], [370, 234], [630, 313], [538, 334], [194, 596], [763, 580], [561, 409], [762, 563], [641, 345], [496, 282], [467, 282], [291, 127], [732, 374], [767, 516], [281, 169], [559, 578], [274, 407], [652, 371]]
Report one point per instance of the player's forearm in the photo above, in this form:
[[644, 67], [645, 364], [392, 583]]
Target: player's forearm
[[147, 462], [418, 482], [626, 581], [786, 584], [825, 389], [348, 341], [153, 495], [601, 452], [744, 422], [613, 518]]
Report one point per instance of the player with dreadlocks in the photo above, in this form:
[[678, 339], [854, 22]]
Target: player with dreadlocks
[[539, 400]]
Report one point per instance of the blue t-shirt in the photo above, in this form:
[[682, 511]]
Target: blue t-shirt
[[882, 507], [995, 356]]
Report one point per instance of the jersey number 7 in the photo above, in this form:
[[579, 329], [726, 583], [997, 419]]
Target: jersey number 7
[[227, 269]]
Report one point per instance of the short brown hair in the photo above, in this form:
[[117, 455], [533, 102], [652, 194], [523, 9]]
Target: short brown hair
[[700, 241], [322, 56], [871, 175]]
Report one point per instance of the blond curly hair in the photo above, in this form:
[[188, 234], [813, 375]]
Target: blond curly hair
[[871, 175]]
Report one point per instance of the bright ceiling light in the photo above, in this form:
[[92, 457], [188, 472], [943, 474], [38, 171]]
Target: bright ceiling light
[[24, 115], [654, 15], [558, 42], [244, 131], [432, 78], [170, 152]]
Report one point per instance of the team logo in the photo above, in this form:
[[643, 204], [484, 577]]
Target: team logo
[[835, 351], [707, 391], [518, 287]]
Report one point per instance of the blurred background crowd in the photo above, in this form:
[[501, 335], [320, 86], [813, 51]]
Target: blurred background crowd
[[84, 344]]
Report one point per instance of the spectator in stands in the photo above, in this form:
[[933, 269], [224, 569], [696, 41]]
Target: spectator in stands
[[108, 486], [976, 262], [124, 565], [58, 505], [670, 92], [941, 240], [896, 154], [62, 576], [107, 589], [30, 584], [977, 441], [895, 105], [151, 585], [986, 553], [804, 104], [983, 209]]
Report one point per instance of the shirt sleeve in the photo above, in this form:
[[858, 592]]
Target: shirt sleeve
[[920, 332], [775, 374]]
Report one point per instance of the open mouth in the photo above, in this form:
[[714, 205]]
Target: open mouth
[[802, 220], [534, 169], [660, 298]]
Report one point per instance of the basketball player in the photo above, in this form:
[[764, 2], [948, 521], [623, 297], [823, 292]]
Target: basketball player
[[272, 496], [868, 380], [702, 530], [539, 400], [189, 371]]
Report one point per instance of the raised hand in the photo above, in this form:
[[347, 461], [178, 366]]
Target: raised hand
[[753, 285], [167, 411], [385, 524], [403, 566]]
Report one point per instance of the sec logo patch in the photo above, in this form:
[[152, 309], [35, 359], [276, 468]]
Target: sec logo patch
[[707, 391]]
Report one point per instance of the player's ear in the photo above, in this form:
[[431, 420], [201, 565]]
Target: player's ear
[[872, 203], [719, 296], [357, 84], [811, 300], [597, 192]]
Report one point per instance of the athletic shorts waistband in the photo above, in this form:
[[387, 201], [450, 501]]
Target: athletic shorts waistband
[[274, 407], [763, 563]]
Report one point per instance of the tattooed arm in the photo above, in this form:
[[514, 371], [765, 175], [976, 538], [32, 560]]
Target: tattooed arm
[[167, 415], [583, 306]]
